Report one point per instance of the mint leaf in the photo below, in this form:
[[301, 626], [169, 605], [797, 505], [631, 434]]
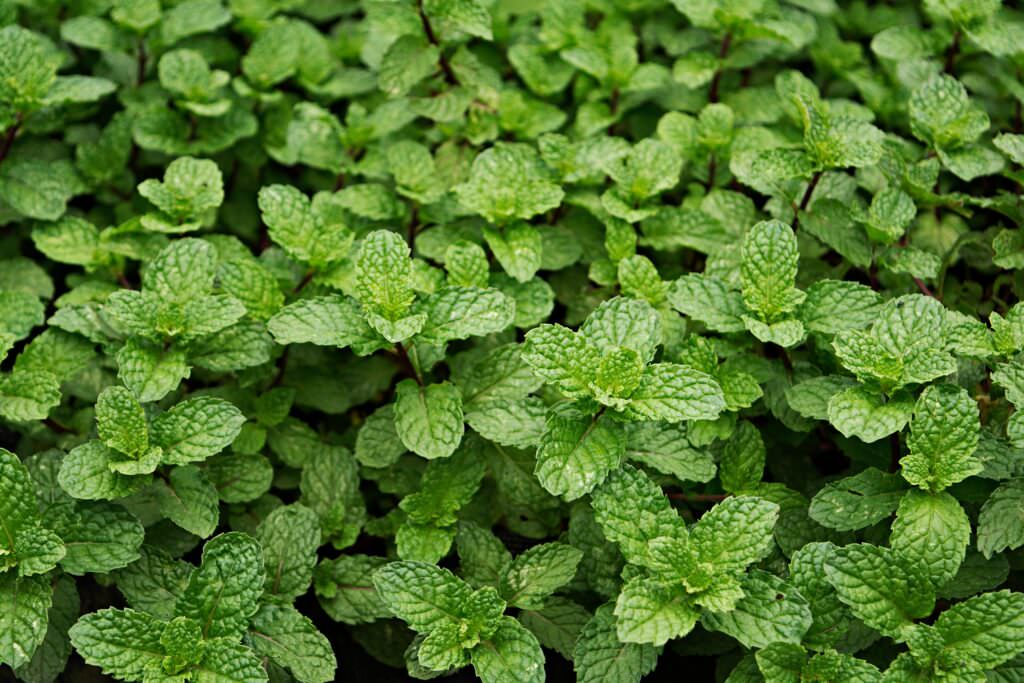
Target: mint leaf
[[538, 572], [998, 525], [599, 655], [769, 265], [882, 588], [289, 537], [577, 452], [25, 601], [508, 181], [223, 593], [933, 530], [292, 641], [123, 643], [196, 428], [428, 419], [943, 438], [859, 501], [770, 612]]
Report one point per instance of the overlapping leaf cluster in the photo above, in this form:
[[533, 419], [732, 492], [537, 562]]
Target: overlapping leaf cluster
[[511, 338]]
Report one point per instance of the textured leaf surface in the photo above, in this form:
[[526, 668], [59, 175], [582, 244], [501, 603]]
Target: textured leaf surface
[[223, 593], [429, 419]]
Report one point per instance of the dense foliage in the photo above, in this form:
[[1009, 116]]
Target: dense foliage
[[509, 337]]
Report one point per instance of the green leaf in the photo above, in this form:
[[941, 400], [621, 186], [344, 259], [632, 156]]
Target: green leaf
[[943, 438], [600, 656], [741, 465], [121, 421], [192, 17], [577, 452], [331, 320], [223, 593], [384, 275], [99, 537], [122, 642], [21, 313], [446, 486], [859, 501], [183, 270], [191, 189], [38, 189], [344, 588], [86, 473], [539, 572], [25, 602], [624, 323], [292, 641], [196, 428], [987, 630], [429, 419], [942, 114], [153, 583], [932, 530], [562, 357], [51, 657], [462, 312], [832, 619], [557, 626], [674, 393], [310, 231], [422, 595], [17, 500], [290, 536], [632, 511], [508, 181], [409, 60], [510, 423], [151, 372], [518, 248], [467, 16], [225, 661], [28, 67], [838, 141], [330, 487], [771, 611], [377, 443], [666, 449], [189, 500], [868, 416], [648, 611], [884, 589], [483, 558], [891, 212], [28, 395], [735, 533], [510, 655], [768, 269], [1000, 525], [832, 306]]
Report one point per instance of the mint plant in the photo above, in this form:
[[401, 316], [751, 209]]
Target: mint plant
[[511, 341]]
